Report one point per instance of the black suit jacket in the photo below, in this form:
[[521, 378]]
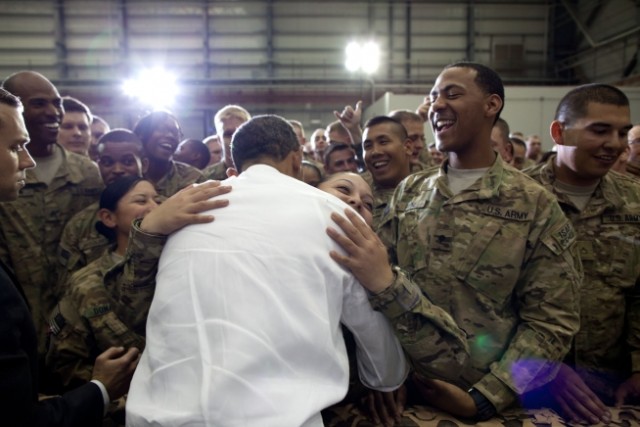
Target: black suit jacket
[[19, 406]]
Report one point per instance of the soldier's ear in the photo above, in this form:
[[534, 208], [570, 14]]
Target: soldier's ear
[[107, 218], [556, 130]]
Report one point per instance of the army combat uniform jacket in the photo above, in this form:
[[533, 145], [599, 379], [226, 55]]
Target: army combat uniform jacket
[[180, 176], [30, 229], [84, 323], [607, 347], [500, 258]]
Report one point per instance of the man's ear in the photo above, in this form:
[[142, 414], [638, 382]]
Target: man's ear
[[494, 104], [557, 132], [144, 165], [296, 159], [408, 147], [107, 218]]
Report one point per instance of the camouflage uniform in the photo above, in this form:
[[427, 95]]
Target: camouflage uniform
[[30, 229], [80, 244], [180, 176], [607, 348], [84, 323], [217, 171], [500, 258], [634, 168], [382, 196], [133, 286]]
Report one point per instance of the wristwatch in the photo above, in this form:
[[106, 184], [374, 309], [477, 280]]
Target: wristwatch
[[485, 408]]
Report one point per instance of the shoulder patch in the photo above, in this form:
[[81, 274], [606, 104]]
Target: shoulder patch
[[559, 240]]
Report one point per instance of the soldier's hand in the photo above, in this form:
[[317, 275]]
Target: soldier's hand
[[114, 369], [577, 402], [385, 408], [184, 208], [366, 256], [423, 109], [350, 117], [628, 389], [446, 397]]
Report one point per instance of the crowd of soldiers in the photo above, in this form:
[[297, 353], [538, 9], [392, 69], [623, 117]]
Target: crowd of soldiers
[[535, 259]]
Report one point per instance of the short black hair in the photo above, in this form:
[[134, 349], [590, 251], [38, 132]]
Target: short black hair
[[202, 149], [400, 130], [119, 135], [147, 124], [332, 148], [110, 197], [574, 104], [486, 78], [263, 136]]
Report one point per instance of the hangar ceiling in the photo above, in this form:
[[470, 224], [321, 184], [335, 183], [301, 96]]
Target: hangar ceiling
[[287, 57]]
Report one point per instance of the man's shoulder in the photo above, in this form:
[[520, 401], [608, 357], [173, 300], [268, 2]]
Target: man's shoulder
[[187, 171], [82, 168], [626, 187], [216, 171]]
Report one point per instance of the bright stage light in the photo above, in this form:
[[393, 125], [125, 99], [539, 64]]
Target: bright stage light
[[155, 87], [363, 57]]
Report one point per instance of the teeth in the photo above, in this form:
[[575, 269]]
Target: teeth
[[52, 125], [378, 164], [441, 123]]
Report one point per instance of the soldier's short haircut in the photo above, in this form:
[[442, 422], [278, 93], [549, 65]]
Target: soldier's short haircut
[[267, 136], [200, 148], [574, 104], [503, 126], [100, 120], [336, 126], [297, 124], [7, 98], [110, 197], [230, 111], [397, 127], [146, 125], [486, 78], [332, 148], [119, 135], [73, 105], [405, 116], [517, 141]]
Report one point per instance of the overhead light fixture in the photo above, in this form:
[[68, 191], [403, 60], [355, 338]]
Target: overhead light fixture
[[363, 57], [155, 87]]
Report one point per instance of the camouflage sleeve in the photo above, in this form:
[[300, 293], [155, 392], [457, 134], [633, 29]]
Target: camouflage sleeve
[[547, 298], [70, 259], [434, 343], [633, 320], [134, 284], [69, 354]]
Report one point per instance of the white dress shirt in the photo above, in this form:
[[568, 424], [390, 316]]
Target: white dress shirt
[[244, 328]]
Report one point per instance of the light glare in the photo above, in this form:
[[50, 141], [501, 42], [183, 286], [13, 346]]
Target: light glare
[[155, 87], [363, 57]]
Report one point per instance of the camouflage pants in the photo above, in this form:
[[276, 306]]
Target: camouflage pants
[[423, 416]]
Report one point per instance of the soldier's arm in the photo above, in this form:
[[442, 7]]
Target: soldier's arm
[[134, 284], [631, 387], [547, 303], [436, 346]]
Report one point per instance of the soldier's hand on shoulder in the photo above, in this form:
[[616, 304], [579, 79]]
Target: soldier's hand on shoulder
[[366, 256], [185, 207]]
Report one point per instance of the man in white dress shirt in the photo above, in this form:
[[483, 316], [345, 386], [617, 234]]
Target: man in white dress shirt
[[244, 328]]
